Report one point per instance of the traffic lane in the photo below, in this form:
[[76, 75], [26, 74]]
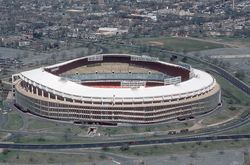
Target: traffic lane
[[130, 143]]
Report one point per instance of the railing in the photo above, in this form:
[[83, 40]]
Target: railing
[[117, 76]]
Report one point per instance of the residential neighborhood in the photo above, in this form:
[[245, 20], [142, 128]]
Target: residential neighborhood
[[45, 25]]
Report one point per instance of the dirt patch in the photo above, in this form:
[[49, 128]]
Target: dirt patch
[[158, 43]]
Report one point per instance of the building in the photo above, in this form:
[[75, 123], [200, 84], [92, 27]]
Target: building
[[116, 89], [110, 31]]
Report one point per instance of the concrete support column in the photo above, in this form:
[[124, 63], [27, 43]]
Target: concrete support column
[[32, 89], [37, 91], [48, 95], [29, 87]]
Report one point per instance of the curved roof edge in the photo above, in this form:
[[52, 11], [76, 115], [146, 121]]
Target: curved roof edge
[[55, 84]]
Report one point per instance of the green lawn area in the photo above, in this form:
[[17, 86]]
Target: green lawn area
[[15, 122], [40, 124], [5, 155], [53, 126], [179, 44]]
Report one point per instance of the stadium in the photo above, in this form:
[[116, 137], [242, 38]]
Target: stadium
[[116, 89]]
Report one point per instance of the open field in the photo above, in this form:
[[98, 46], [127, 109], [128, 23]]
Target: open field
[[3, 135], [242, 129], [50, 139], [206, 153], [33, 124], [26, 157], [237, 41], [14, 122], [39, 124], [223, 116], [180, 148], [179, 44], [145, 128], [230, 93]]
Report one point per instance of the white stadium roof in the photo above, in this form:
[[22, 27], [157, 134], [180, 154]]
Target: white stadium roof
[[40, 77]]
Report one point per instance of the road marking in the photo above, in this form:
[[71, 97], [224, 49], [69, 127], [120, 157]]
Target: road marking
[[231, 56], [116, 162]]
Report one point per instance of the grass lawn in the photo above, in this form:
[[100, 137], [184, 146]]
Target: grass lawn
[[52, 126], [15, 121], [179, 44], [39, 124]]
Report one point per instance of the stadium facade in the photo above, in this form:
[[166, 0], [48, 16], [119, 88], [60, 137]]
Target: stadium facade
[[116, 88]]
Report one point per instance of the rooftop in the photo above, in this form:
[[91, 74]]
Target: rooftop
[[40, 77]]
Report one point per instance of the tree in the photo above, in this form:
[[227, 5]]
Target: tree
[[31, 159], [215, 61], [141, 162], [90, 157], [232, 108], [53, 57], [184, 59], [17, 156], [5, 151], [124, 147], [173, 58], [63, 55], [240, 74], [193, 154], [37, 35], [105, 148], [103, 156]]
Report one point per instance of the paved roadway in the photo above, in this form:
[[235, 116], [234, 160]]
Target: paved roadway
[[130, 143]]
